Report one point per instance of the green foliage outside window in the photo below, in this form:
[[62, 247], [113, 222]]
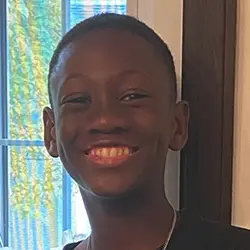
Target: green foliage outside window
[[34, 28]]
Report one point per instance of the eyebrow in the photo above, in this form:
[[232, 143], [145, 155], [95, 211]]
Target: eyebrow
[[130, 72], [120, 74]]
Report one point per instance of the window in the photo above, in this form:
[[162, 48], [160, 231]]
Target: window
[[38, 200]]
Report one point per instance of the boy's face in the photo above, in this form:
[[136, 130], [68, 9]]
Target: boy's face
[[114, 115]]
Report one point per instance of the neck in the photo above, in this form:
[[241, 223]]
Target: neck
[[137, 220]]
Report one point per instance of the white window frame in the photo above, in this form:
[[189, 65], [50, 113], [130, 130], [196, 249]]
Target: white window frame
[[3, 128]]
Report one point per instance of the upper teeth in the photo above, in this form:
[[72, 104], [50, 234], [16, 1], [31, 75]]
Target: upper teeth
[[110, 151]]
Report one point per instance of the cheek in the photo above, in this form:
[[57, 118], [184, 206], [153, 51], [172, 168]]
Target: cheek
[[153, 122], [67, 128], [66, 136], [67, 124], [155, 129]]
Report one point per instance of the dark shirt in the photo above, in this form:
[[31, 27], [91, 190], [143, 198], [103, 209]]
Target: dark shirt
[[195, 233]]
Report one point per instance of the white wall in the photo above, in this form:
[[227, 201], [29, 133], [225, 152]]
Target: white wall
[[241, 173], [165, 17]]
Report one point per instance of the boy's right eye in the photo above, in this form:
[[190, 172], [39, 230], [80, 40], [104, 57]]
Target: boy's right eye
[[85, 100]]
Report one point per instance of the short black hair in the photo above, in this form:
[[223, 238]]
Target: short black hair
[[120, 22]]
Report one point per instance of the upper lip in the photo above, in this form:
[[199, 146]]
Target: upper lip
[[110, 143]]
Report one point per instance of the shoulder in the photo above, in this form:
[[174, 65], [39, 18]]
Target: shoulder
[[214, 235], [71, 246], [227, 236]]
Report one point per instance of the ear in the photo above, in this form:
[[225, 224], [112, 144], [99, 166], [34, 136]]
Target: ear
[[50, 132], [180, 126]]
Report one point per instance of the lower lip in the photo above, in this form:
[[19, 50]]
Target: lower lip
[[108, 161]]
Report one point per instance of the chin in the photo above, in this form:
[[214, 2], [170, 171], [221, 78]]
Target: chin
[[108, 191]]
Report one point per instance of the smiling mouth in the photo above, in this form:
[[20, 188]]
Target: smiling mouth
[[110, 155]]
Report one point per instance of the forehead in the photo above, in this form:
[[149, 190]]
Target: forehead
[[104, 54], [109, 47]]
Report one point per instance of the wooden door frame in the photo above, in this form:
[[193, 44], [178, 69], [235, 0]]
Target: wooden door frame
[[209, 40]]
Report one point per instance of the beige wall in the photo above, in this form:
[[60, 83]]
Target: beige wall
[[241, 176], [165, 17], [168, 24]]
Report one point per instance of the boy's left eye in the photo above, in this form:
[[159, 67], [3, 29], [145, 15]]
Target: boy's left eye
[[133, 96]]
